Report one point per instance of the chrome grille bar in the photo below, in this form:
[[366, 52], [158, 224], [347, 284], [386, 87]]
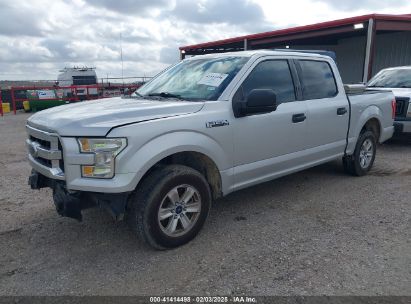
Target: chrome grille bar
[[44, 154]]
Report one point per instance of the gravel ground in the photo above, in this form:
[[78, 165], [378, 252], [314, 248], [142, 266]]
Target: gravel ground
[[317, 232]]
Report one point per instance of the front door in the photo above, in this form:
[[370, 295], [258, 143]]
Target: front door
[[266, 144]]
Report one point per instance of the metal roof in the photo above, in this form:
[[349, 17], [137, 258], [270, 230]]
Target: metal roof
[[302, 29]]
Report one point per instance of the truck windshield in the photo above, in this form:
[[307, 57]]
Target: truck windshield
[[196, 79], [398, 78]]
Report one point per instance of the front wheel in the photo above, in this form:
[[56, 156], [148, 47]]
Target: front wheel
[[170, 207], [363, 158]]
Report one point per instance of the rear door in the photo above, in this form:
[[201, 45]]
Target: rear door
[[328, 108]]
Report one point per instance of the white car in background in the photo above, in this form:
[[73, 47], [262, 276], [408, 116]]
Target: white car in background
[[397, 80]]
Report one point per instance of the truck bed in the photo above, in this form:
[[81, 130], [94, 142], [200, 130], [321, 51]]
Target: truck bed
[[370, 103]]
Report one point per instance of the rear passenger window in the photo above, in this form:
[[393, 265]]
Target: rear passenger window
[[273, 74], [317, 79]]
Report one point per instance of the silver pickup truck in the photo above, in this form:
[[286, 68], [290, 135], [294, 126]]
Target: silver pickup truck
[[206, 127], [397, 80]]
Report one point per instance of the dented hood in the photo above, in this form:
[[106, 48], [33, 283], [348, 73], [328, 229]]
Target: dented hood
[[98, 117]]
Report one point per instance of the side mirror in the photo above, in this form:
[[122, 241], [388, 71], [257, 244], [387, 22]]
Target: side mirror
[[260, 101]]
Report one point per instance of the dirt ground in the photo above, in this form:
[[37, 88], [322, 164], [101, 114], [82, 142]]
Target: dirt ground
[[317, 232]]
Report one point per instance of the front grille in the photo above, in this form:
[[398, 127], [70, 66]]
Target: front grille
[[43, 143], [45, 149], [401, 106]]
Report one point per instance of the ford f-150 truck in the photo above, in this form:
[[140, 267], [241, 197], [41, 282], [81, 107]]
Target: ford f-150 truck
[[206, 127], [397, 80]]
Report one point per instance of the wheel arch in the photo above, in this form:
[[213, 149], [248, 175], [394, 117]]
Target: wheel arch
[[195, 160], [370, 119], [193, 149], [374, 125]]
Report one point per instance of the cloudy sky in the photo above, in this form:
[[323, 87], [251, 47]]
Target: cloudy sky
[[39, 37]]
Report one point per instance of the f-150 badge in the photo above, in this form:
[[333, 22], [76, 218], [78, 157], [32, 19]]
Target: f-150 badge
[[217, 123]]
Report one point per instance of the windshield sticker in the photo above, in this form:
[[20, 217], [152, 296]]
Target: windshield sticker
[[213, 79]]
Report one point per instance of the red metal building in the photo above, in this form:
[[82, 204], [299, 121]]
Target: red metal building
[[363, 44]]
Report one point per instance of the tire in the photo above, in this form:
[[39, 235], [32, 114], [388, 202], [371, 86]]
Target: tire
[[167, 188], [361, 162]]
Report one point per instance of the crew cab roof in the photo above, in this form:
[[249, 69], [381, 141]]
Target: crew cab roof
[[259, 53]]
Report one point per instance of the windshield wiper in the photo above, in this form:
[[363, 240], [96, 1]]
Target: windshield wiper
[[135, 94], [165, 95]]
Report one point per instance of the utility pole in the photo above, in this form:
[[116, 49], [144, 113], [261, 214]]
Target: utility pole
[[122, 63]]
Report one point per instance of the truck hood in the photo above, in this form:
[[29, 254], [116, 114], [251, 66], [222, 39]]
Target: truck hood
[[98, 117]]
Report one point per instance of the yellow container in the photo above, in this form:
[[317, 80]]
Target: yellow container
[[6, 107], [26, 105]]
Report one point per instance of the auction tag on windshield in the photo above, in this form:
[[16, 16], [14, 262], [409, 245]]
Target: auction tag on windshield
[[213, 79]]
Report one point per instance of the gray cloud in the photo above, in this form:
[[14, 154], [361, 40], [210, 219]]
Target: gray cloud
[[27, 70], [217, 11], [39, 37], [134, 36], [15, 22], [128, 6], [70, 32], [59, 48], [260, 27], [348, 5], [169, 54]]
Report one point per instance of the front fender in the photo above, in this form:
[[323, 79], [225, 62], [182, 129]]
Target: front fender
[[146, 156]]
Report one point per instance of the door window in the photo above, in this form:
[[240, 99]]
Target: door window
[[317, 79], [271, 74]]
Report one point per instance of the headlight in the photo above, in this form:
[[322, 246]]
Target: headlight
[[105, 151]]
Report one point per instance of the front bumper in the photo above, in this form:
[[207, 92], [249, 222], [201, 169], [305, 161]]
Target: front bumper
[[71, 203], [56, 163]]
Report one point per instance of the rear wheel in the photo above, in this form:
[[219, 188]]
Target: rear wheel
[[170, 207], [363, 158]]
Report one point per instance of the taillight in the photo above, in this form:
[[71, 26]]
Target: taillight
[[393, 107]]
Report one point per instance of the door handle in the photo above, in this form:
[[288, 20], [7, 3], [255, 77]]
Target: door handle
[[341, 111], [299, 117]]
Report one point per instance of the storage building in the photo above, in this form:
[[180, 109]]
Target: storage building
[[363, 45]]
